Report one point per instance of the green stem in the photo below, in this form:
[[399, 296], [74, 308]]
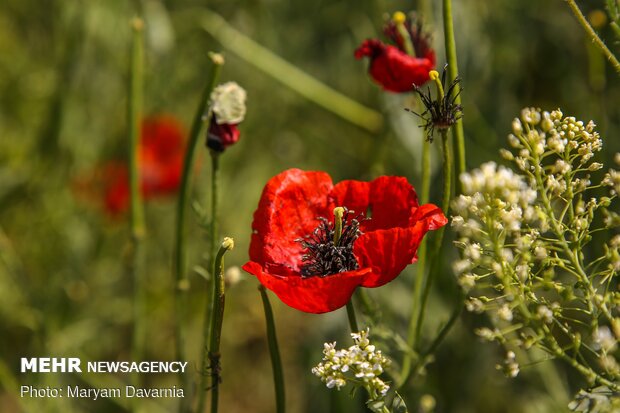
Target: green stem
[[215, 172], [420, 267], [274, 351], [217, 319], [211, 284], [289, 75], [444, 331], [593, 36], [447, 173], [352, 318], [571, 256], [453, 69], [134, 112], [181, 285], [586, 371]]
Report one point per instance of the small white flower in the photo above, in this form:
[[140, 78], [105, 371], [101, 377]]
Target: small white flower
[[473, 252], [486, 333], [510, 367], [457, 222], [603, 339], [540, 252], [460, 266], [467, 282], [523, 272], [504, 313], [531, 116], [595, 166], [517, 128], [474, 305], [514, 141], [562, 167], [545, 314]]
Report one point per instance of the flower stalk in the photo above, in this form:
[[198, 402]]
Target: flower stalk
[[420, 269], [351, 317], [457, 130], [182, 283], [217, 319], [274, 352], [593, 36], [442, 113], [134, 111], [445, 205], [212, 285]]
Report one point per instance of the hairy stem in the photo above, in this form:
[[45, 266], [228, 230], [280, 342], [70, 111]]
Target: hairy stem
[[210, 308], [181, 281], [217, 319]]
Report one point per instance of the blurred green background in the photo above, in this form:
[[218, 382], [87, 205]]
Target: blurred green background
[[63, 90]]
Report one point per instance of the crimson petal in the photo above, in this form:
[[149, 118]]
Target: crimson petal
[[388, 252], [394, 69], [312, 294], [288, 210]]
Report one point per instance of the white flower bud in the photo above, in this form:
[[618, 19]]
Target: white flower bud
[[228, 103]]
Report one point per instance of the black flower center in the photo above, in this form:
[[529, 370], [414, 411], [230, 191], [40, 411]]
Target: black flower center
[[322, 256]]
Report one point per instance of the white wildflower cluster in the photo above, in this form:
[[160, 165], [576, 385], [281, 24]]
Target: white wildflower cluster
[[598, 400], [361, 364], [228, 103], [510, 367], [529, 254]]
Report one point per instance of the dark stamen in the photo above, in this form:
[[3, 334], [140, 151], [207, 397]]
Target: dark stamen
[[321, 256]]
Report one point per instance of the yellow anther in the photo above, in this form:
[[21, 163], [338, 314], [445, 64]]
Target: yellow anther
[[433, 75], [399, 17]]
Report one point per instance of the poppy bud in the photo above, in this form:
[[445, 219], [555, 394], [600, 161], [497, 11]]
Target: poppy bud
[[227, 110], [221, 136]]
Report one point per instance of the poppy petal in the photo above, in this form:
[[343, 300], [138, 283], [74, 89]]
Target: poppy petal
[[392, 201], [312, 294], [288, 210], [388, 252], [394, 69], [389, 200], [353, 195], [432, 214]]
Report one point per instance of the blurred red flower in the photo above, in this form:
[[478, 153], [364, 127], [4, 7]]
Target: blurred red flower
[[292, 250], [391, 67], [161, 152]]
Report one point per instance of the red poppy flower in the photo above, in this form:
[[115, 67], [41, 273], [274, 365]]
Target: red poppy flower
[[116, 191], [391, 67], [221, 136], [292, 251], [161, 153], [162, 149]]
